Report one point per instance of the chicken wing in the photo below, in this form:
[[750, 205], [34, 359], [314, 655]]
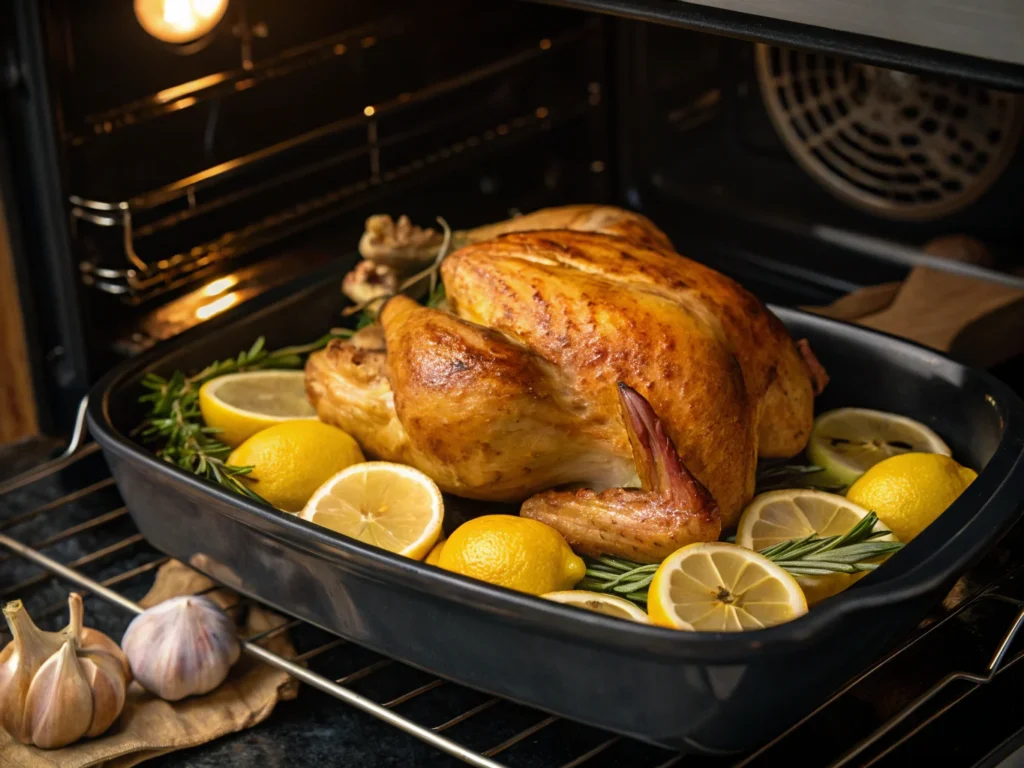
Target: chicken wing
[[669, 510]]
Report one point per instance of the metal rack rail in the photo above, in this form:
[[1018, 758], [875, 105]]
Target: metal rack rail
[[136, 276], [83, 537]]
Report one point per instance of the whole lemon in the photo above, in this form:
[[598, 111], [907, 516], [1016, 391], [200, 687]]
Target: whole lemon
[[292, 459], [514, 552], [909, 491]]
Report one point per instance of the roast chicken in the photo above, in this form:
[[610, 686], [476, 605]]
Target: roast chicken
[[577, 352]]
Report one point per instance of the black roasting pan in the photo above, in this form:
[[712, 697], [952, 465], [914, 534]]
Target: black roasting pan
[[710, 691]]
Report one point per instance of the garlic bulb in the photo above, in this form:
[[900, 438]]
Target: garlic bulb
[[56, 687], [181, 647]]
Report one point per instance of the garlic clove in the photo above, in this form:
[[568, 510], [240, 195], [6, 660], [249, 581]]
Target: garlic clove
[[58, 706], [93, 639], [22, 658], [182, 647], [108, 686]]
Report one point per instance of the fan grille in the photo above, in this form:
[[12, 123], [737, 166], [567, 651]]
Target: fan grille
[[898, 145]]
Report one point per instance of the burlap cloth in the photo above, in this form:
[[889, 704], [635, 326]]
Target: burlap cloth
[[149, 727]]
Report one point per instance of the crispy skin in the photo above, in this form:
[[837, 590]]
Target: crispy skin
[[602, 219], [480, 281], [513, 391]]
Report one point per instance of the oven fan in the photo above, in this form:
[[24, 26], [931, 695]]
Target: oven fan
[[902, 146]]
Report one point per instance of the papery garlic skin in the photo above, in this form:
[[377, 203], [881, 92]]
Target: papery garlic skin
[[182, 647], [53, 691]]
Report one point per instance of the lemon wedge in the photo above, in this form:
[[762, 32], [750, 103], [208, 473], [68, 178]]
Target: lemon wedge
[[720, 587], [609, 605], [779, 516], [390, 506], [849, 441], [242, 404]]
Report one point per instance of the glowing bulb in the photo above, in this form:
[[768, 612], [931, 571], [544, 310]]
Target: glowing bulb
[[218, 286], [217, 306], [179, 21]]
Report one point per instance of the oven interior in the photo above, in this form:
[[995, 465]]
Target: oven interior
[[157, 184]]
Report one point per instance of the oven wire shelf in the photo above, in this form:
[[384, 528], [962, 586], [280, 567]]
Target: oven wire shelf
[[142, 277], [598, 748]]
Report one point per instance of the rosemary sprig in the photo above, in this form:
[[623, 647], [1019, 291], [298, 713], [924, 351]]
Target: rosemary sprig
[[174, 419], [852, 552], [618, 577], [774, 476]]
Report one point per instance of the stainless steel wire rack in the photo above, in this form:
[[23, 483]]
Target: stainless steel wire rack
[[63, 524], [360, 155]]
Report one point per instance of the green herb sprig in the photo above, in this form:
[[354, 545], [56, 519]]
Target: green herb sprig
[[615, 576], [852, 552], [174, 419], [772, 476]]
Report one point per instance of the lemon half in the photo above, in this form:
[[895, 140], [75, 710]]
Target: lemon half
[[390, 506], [609, 605], [848, 441], [778, 516], [242, 404], [720, 587]]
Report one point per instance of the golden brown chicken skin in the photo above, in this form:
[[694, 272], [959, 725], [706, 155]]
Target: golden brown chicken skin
[[514, 391]]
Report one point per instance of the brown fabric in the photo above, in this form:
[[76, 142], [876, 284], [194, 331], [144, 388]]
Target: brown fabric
[[149, 727]]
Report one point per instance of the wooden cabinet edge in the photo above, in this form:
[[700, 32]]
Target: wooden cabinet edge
[[17, 399]]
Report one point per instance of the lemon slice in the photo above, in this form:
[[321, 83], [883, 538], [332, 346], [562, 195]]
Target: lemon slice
[[390, 506], [720, 587], [849, 441], [242, 404], [778, 516], [609, 605]]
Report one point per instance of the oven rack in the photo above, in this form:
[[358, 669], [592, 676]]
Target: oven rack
[[142, 278], [116, 562], [250, 74], [142, 282]]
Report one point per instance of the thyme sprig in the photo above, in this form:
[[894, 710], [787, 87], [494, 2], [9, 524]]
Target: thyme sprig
[[174, 419], [852, 552]]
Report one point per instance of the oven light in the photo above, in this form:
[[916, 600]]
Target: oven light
[[179, 21], [221, 284], [217, 306]]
